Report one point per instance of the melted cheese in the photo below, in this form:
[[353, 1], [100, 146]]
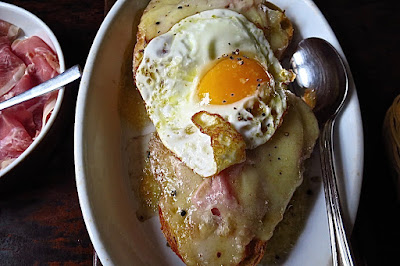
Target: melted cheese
[[261, 193]]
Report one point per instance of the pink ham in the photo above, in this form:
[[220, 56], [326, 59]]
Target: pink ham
[[42, 62], [26, 82], [17, 124], [12, 68], [215, 194], [9, 30], [14, 138], [34, 106]]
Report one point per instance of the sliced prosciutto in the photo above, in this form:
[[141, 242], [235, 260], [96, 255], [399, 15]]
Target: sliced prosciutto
[[14, 138], [23, 65], [34, 106], [38, 56], [12, 68], [9, 30]]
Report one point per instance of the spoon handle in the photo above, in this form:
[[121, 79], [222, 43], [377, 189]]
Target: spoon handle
[[339, 243], [58, 81]]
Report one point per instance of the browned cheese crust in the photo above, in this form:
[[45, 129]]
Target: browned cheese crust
[[254, 250]]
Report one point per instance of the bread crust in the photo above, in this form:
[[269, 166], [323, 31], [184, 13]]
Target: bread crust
[[169, 236]]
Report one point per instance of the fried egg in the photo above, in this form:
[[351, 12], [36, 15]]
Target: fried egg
[[217, 63]]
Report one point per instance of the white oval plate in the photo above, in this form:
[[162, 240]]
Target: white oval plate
[[102, 178], [31, 25]]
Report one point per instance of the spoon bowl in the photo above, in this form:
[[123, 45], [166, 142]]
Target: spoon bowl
[[320, 69]]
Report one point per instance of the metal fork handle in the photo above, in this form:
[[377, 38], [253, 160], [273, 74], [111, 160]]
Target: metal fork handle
[[55, 83], [341, 252]]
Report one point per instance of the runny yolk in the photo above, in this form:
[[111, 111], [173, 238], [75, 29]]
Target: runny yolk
[[232, 79]]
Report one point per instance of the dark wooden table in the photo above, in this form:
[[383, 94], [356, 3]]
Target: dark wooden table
[[40, 218]]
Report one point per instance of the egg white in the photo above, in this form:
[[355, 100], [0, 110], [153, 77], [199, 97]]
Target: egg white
[[172, 66]]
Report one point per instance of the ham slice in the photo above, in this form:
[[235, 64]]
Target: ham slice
[[34, 106], [14, 138], [42, 65], [217, 191], [12, 68], [9, 30], [26, 82], [38, 56]]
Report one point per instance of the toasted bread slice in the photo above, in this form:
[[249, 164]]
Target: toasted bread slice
[[228, 219], [160, 16]]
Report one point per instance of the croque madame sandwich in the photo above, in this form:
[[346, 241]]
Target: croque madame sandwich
[[230, 138]]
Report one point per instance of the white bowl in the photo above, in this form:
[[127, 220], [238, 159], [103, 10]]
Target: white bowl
[[31, 25], [104, 190]]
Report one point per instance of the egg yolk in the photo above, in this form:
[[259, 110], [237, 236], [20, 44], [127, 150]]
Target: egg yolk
[[232, 79]]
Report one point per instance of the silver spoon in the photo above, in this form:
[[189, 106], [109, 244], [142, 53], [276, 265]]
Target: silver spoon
[[55, 83], [319, 68]]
